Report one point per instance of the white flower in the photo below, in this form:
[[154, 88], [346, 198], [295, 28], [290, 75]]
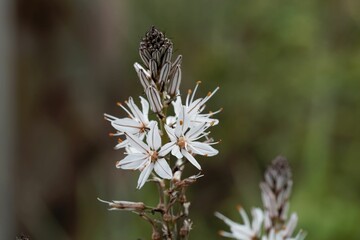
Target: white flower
[[194, 108], [184, 139], [244, 231], [147, 157], [137, 122]]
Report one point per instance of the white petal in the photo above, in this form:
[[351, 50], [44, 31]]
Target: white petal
[[196, 131], [225, 219], [126, 125], [244, 217], [176, 151], [163, 169], [258, 217], [166, 148], [135, 110], [194, 106], [291, 225], [177, 106], [135, 142], [191, 159], [145, 108], [171, 133], [182, 123], [171, 120], [144, 175], [121, 144], [132, 161], [203, 149], [153, 138]]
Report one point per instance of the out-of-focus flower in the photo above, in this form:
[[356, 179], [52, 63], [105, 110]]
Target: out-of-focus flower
[[184, 139], [247, 230], [147, 157], [275, 192]]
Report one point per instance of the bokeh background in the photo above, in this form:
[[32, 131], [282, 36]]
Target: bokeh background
[[289, 73]]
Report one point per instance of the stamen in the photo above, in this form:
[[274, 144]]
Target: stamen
[[181, 122], [188, 97], [195, 89], [124, 108]]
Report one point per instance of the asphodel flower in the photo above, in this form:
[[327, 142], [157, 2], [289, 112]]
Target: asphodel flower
[[147, 157]]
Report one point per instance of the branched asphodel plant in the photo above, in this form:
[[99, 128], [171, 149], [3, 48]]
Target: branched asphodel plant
[[161, 144], [270, 223]]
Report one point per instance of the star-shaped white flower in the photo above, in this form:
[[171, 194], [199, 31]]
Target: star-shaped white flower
[[137, 122], [147, 157], [184, 139], [194, 108], [244, 231]]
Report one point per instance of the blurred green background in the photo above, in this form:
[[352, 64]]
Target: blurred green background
[[289, 73]]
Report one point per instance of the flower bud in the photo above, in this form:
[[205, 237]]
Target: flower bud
[[154, 99], [125, 205], [174, 82]]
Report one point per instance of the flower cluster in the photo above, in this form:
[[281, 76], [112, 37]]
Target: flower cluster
[[270, 223], [186, 130]]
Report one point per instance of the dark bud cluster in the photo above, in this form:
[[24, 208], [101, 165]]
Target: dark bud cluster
[[155, 40], [276, 191], [160, 77]]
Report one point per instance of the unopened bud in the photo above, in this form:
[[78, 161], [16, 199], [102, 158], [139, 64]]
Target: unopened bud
[[164, 72], [143, 76], [174, 82], [154, 99]]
